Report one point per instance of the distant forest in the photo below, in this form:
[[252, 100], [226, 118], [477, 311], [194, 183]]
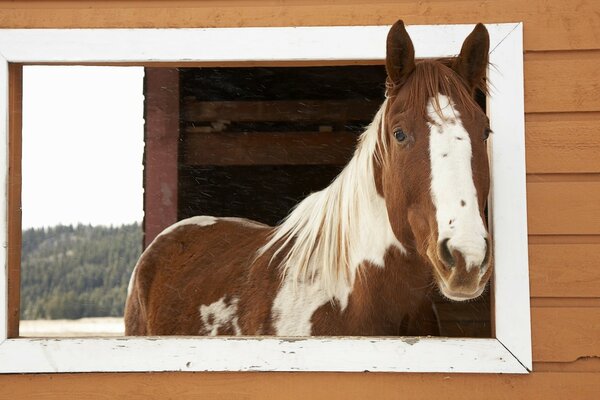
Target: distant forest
[[70, 272]]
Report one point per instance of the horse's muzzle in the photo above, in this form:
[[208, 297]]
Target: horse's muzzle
[[461, 277]]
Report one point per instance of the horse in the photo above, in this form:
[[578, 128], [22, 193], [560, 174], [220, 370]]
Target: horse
[[362, 257]]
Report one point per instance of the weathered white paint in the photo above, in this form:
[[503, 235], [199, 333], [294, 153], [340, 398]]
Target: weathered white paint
[[259, 354], [4, 195], [221, 314], [452, 188], [508, 197], [230, 44], [317, 354]]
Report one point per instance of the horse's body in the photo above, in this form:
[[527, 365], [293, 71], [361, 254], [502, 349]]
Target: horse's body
[[360, 257], [189, 290]]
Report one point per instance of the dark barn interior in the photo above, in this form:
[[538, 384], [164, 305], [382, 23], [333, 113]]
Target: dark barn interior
[[256, 141]]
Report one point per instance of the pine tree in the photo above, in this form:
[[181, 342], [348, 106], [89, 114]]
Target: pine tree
[[77, 271]]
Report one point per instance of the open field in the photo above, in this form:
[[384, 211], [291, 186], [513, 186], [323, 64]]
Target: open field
[[72, 327]]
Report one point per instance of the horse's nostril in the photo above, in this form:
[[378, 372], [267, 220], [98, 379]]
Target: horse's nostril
[[486, 258], [445, 254]]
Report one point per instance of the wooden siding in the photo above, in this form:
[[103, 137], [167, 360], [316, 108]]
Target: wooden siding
[[549, 24], [302, 386], [563, 142], [562, 73]]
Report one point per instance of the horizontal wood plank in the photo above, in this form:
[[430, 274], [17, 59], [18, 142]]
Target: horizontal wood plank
[[562, 82], [316, 386], [282, 110], [564, 270], [563, 143], [563, 208], [548, 24], [565, 334], [268, 148], [581, 365]]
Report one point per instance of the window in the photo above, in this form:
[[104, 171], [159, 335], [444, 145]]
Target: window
[[508, 351]]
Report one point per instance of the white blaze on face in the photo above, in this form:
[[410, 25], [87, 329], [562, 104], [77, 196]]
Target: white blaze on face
[[452, 189]]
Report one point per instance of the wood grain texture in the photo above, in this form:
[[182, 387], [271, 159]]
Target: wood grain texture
[[563, 143], [580, 365], [268, 148], [280, 110], [564, 334], [14, 197], [315, 386], [548, 24], [563, 208], [161, 138], [562, 82], [564, 270]]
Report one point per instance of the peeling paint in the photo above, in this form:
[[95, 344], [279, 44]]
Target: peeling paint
[[411, 340]]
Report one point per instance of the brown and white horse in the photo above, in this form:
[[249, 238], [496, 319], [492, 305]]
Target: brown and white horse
[[362, 256]]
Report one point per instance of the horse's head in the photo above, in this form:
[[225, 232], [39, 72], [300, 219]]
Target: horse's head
[[433, 165]]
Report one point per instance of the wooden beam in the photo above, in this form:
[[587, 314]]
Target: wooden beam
[[161, 136], [15, 106], [283, 110], [301, 386], [272, 148]]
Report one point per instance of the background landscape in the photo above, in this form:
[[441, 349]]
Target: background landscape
[[71, 272]]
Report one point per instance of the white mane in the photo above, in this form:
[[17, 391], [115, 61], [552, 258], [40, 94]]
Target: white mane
[[332, 231]]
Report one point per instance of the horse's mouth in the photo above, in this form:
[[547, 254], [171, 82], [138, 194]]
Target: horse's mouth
[[460, 295]]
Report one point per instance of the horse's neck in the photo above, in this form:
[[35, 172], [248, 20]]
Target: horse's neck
[[371, 242], [333, 232]]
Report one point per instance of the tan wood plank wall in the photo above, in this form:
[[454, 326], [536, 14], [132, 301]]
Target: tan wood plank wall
[[562, 72]]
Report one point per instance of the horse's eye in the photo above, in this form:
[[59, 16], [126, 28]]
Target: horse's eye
[[486, 133], [399, 135]]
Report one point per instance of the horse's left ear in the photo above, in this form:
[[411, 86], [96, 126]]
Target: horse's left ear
[[400, 55], [472, 62]]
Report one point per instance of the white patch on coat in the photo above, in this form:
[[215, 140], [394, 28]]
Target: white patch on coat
[[452, 189], [131, 281], [349, 212], [295, 305], [201, 220], [220, 315]]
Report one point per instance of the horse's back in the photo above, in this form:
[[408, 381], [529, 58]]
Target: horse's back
[[190, 275]]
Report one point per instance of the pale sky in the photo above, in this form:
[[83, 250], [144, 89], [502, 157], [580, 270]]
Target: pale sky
[[82, 145]]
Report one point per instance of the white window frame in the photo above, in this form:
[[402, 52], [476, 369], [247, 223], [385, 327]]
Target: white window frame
[[508, 352]]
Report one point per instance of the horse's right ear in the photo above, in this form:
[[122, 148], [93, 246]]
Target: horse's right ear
[[400, 57]]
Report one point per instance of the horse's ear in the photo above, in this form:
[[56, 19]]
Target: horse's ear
[[472, 62], [400, 57]]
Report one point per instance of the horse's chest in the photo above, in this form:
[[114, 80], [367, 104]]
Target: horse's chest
[[294, 306]]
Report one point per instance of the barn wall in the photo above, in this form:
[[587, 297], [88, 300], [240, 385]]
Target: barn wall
[[562, 101]]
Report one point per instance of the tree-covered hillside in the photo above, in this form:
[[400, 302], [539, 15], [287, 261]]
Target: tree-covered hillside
[[77, 271]]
